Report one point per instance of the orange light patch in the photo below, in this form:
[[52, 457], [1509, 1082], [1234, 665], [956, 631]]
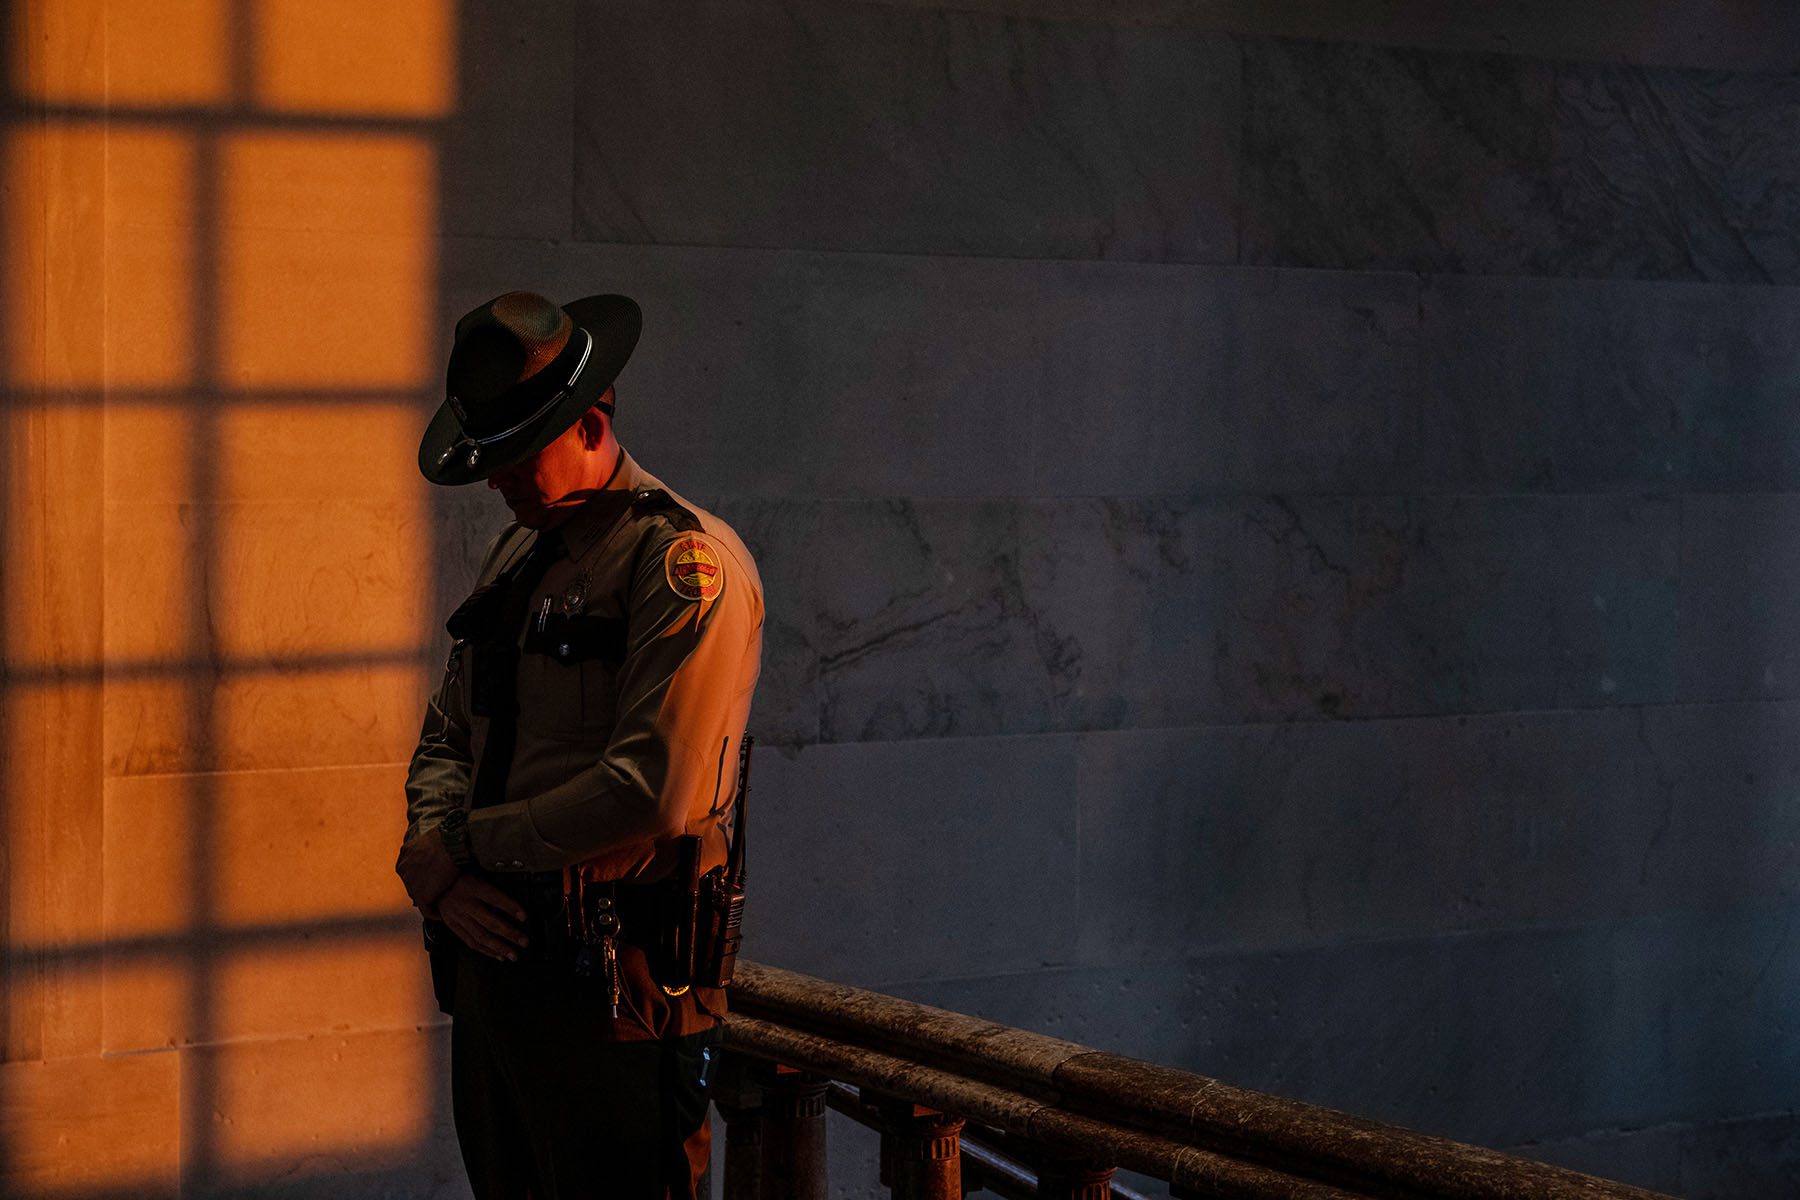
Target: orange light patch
[[693, 568], [323, 985], [54, 277], [342, 56], [319, 578], [147, 1001], [357, 1098], [149, 823], [54, 46], [84, 1125], [149, 453], [281, 847], [349, 715], [171, 52], [331, 856], [155, 618], [328, 261], [288, 987], [150, 261], [306, 451]]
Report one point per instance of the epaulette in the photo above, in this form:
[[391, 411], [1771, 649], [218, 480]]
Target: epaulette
[[647, 501]]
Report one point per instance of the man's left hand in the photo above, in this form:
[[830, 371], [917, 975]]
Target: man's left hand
[[425, 868]]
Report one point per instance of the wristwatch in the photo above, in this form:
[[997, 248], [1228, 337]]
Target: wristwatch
[[455, 830]]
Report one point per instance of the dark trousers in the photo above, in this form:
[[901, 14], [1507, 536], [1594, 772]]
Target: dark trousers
[[550, 1105]]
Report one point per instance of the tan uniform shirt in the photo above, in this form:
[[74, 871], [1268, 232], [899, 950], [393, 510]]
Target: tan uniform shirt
[[622, 749]]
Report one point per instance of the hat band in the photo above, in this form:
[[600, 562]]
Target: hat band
[[474, 444]]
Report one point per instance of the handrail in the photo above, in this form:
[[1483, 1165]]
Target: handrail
[[1200, 1134], [1164, 1158]]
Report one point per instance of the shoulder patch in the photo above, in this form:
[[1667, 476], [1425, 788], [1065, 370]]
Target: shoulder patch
[[694, 567]]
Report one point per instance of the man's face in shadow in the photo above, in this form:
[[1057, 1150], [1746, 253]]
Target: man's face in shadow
[[542, 490]]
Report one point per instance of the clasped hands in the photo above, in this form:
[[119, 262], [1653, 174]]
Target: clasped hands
[[483, 916]]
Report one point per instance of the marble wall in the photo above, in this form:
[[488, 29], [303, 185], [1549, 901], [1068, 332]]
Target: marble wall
[[1277, 527]]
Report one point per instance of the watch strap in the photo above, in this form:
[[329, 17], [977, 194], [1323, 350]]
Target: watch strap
[[454, 829]]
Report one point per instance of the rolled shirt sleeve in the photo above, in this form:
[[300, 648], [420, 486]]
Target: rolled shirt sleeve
[[689, 664], [437, 780]]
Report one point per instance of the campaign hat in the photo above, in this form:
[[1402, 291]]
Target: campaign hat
[[522, 370]]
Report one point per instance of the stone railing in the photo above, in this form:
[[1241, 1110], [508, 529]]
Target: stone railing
[[963, 1104]]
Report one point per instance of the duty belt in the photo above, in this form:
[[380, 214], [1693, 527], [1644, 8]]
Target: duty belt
[[552, 931]]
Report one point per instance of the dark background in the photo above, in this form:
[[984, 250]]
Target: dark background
[[1279, 548]]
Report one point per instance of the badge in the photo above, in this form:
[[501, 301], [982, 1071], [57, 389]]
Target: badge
[[693, 569], [575, 598]]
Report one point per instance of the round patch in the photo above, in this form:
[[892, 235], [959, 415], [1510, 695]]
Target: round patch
[[692, 566]]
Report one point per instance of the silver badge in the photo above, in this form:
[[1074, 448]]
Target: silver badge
[[575, 599]]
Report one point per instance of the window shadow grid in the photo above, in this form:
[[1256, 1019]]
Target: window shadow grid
[[206, 942]]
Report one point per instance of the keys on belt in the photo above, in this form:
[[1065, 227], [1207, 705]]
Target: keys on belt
[[577, 924], [594, 928]]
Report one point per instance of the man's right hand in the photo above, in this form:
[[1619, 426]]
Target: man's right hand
[[483, 916]]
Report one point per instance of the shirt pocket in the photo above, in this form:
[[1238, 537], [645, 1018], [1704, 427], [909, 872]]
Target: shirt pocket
[[569, 674]]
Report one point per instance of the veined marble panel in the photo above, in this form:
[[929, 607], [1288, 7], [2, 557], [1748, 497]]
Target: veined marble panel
[[1493, 1038], [875, 128], [1362, 157], [1608, 385], [789, 373], [506, 157], [1759, 35], [464, 524], [783, 537], [1324, 831], [1011, 617], [1740, 560], [768, 373], [909, 860], [1744, 436], [1190, 380], [1754, 1155], [1565, 385]]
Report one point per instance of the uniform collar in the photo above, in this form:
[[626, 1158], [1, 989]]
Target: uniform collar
[[599, 513]]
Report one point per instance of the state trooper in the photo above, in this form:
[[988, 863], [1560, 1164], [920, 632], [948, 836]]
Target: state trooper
[[576, 770]]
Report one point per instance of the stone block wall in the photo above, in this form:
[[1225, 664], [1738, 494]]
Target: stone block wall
[[217, 291], [1275, 521], [1274, 529]]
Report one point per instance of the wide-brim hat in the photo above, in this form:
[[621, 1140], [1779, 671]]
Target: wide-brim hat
[[522, 371]]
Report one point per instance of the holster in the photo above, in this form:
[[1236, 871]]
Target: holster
[[719, 931], [708, 928]]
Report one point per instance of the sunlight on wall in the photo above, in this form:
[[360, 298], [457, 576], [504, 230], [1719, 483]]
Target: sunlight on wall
[[322, 274], [332, 56], [170, 52], [219, 286]]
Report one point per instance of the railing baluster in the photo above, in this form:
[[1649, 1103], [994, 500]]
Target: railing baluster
[[921, 1150], [1066, 1179], [793, 1135], [739, 1101]]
